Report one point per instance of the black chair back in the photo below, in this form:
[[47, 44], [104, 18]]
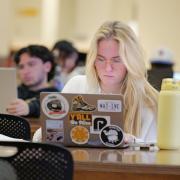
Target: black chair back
[[15, 127], [39, 161], [155, 76]]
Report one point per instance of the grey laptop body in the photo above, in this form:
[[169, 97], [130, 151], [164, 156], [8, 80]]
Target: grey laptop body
[[85, 120]]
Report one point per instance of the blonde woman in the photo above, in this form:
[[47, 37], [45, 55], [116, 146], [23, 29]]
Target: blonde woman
[[115, 65]]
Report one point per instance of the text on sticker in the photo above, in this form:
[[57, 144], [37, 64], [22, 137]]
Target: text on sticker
[[109, 105], [80, 118]]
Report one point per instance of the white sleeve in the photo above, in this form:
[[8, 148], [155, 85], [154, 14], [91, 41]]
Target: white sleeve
[[149, 126], [37, 137], [77, 84]]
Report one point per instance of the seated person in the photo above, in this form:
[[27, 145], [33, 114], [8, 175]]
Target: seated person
[[35, 67], [161, 67], [66, 56], [115, 66]]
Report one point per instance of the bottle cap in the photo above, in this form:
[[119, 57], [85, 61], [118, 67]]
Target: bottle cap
[[170, 84]]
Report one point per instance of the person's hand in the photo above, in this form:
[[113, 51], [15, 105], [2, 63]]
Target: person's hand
[[18, 107], [129, 138]]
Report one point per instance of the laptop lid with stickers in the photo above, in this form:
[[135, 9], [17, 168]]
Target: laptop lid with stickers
[[89, 120], [8, 87]]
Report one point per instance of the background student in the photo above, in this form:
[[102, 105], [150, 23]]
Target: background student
[[35, 67], [162, 63], [66, 57]]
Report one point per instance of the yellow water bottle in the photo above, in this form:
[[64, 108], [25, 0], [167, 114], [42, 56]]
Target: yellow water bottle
[[168, 131]]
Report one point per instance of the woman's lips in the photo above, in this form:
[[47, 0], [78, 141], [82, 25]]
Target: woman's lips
[[109, 76]]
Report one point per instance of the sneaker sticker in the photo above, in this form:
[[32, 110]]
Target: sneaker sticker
[[54, 131], [111, 136], [55, 106], [79, 104], [79, 135], [109, 105], [98, 122], [84, 119]]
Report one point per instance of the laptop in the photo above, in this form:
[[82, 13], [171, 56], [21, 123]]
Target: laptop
[[8, 91], [85, 120]]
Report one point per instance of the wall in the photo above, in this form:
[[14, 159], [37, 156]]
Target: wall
[[159, 25], [24, 21], [6, 27]]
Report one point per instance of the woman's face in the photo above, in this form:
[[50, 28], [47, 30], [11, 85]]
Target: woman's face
[[109, 65]]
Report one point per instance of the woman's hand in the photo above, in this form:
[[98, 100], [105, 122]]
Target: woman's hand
[[129, 138]]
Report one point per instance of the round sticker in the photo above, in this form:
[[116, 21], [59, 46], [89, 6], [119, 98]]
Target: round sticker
[[111, 136], [55, 106], [79, 135]]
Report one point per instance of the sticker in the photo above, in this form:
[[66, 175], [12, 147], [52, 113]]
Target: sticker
[[111, 136], [55, 106], [54, 131], [98, 122], [84, 119], [79, 104], [109, 105], [79, 135]]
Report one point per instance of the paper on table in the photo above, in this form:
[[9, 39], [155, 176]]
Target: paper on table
[[7, 138]]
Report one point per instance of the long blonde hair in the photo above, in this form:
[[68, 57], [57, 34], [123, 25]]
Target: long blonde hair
[[136, 90]]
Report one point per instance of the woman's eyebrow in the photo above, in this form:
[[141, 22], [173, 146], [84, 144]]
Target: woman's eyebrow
[[116, 57], [100, 55]]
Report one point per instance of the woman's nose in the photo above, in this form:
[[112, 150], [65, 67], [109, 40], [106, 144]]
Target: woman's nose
[[108, 66]]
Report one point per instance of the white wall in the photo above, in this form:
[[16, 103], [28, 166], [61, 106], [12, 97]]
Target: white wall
[[89, 15], [159, 25], [26, 22], [6, 31], [30, 22], [49, 21]]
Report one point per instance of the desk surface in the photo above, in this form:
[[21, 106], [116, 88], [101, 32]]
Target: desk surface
[[35, 124], [127, 160], [111, 164]]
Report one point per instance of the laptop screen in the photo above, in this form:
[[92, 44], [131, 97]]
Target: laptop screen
[[8, 87]]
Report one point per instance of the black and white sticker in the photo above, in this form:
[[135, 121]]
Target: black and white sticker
[[111, 136], [99, 122], [55, 106]]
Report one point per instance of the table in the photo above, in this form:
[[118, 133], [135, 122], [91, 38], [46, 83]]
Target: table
[[35, 124], [126, 164]]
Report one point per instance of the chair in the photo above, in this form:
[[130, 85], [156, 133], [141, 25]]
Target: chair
[[39, 161], [155, 76], [7, 172], [15, 127]]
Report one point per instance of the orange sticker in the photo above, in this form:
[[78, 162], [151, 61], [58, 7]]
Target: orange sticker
[[79, 135]]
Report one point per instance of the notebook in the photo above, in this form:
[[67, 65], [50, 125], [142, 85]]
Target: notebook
[[8, 90], [86, 120]]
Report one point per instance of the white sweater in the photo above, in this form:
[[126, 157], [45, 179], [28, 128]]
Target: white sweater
[[78, 84]]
